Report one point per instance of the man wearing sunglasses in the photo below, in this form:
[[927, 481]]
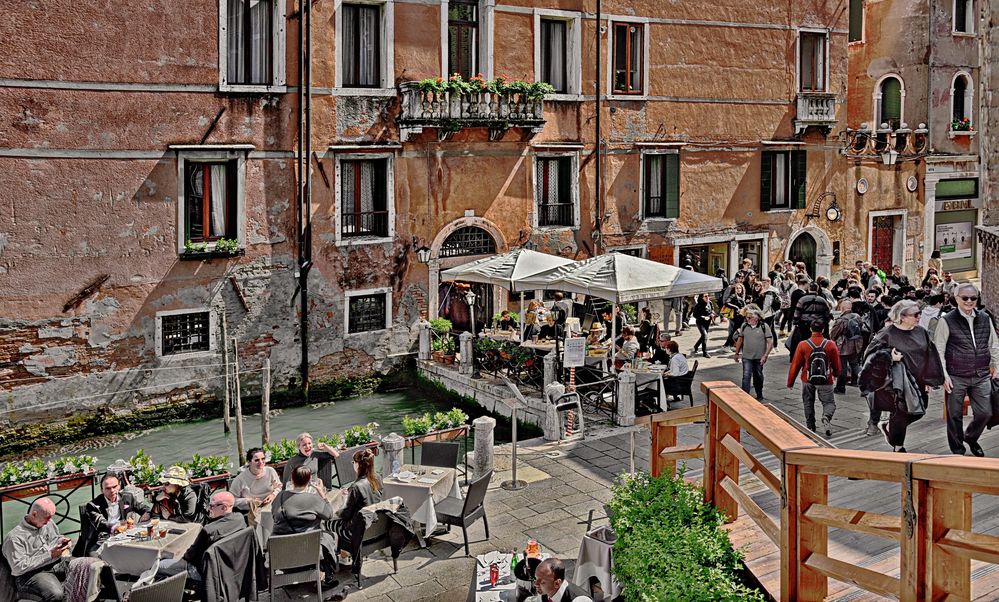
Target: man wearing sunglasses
[[969, 351]]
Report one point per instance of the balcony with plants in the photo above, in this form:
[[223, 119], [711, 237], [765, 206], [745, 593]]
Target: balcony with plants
[[961, 127], [455, 104]]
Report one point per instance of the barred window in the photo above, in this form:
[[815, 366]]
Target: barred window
[[468, 241], [364, 198], [185, 333], [366, 313]]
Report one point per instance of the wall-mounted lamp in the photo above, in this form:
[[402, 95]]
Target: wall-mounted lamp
[[423, 254], [833, 212]]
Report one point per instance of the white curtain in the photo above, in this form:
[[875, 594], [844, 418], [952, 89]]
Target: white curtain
[[361, 41], [553, 53], [218, 200], [235, 50], [654, 183], [248, 46], [780, 180], [260, 46]]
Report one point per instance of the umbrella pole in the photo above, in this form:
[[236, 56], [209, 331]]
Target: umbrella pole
[[522, 316], [613, 336]]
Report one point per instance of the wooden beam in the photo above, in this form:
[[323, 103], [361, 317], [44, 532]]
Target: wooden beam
[[755, 466], [949, 573], [753, 510], [858, 521], [756, 419], [812, 538], [855, 464], [968, 544], [683, 452], [850, 573], [662, 437], [673, 417]]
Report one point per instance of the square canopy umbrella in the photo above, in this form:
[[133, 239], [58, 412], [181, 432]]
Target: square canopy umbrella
[[507, 270]]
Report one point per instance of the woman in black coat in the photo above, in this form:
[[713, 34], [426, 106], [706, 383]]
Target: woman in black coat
[[702, 316]]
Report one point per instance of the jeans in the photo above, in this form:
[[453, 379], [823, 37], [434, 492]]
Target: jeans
[[786, 318], [752, 369], [825, 393], [45, 585], [733, 325], [703, 341], [979, 389], [850, 373]]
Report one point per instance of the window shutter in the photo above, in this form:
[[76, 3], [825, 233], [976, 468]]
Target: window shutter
[[766, 180], [672, 192], [799, 169], [856, 21], [891, 101]]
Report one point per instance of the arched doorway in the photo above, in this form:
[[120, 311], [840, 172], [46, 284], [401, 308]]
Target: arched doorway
[[804, 249], [464, 244]]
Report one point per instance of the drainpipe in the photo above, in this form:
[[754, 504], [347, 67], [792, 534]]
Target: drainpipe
[[599, 181], [304, 184]]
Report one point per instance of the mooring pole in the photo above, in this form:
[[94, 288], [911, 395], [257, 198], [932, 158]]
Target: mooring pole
[[239, 403], [265, 405]]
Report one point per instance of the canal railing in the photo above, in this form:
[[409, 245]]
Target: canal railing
[[932, 524]]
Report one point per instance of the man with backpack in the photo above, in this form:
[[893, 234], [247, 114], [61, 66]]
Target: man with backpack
[[817, 359], [848, 333]]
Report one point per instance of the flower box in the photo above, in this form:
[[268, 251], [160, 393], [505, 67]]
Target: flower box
[[442, 435], [73, 481], [43, 486], [212, 254], [215, 481], [955, 133]]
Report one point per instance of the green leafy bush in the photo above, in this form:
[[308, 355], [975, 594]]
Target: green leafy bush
[[670, 545], [280, 451], [360, 434], [207, 466], [421, 425], [500, 85], [15, 473], [227, 245], [144, 471], [441, 325]]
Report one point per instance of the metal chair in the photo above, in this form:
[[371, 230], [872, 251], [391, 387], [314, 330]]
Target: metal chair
[[452, 511], [442, 455], [682, 386], [294, 559], [168, 590]]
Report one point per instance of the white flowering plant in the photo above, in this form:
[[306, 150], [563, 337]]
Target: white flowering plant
[[207, 466], [16, 473], [360, 434]]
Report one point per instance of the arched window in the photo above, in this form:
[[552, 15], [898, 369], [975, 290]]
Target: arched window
[[468, 241], [890, 105], [961, 102]]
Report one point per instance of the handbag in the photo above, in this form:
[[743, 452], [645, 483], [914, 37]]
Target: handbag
[[727, 312]]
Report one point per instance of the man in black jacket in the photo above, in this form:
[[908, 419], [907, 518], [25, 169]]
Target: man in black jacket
[[105, 511], [222, 522], [811, 307]]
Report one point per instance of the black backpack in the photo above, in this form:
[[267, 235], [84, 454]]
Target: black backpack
[[818, 364], [853, 329]]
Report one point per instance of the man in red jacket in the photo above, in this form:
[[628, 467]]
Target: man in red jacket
[[817, 358]]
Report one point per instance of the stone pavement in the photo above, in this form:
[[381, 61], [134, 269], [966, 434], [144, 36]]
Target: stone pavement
[[568, 481]]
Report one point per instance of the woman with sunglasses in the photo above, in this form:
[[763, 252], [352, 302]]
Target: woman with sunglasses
[[257, 484], [902, 340]]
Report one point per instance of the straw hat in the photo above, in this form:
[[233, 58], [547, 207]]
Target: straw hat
[[597, 327], [175, 475]]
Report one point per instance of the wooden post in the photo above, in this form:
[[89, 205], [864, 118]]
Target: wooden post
[[789, 565], [719, 462], [239, 402], [265, 404], [912, 551], [950, 574], [813, 586], [225, 363], [662, 437]]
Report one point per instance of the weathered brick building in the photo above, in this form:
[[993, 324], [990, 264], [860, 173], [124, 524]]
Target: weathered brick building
[[989, 102], [152, 198]]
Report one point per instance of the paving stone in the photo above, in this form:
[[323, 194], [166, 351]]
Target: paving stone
[[522, 512], [424, 590]]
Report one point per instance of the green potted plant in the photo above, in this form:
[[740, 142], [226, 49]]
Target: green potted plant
[[415, 427], [208, 468], [144, 473], [361, 434], [442, 343], [960, 125], [278, 453]]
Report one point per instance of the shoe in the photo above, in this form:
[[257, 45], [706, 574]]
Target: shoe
[[899, 450], [883, 425], [872, 429], [330, 582], [705, 354], [976, 449], [826, 426]]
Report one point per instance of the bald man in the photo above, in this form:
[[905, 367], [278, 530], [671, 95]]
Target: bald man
[[550, 581], [222, 522], [34, 549]]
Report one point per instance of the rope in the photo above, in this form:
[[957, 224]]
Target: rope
[[36, 378]]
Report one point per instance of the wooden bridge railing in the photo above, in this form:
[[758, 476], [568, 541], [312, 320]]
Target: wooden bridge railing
[[933, 525]]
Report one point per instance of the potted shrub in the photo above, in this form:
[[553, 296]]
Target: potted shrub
[[361, 434], [208, 468], [33, 477], [144, 472], [441, 426], [442, 343], [278, 453]]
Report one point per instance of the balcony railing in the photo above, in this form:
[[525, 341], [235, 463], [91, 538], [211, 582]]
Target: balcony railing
[[815, 109], [451, 112], [365, 223]]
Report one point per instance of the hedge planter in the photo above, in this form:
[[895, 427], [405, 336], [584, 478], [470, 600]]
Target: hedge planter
[[43, 486], [442, 435], [215, 481]]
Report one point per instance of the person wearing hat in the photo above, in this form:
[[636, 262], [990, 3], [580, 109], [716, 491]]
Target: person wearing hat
[[596, 334], [177, 501]]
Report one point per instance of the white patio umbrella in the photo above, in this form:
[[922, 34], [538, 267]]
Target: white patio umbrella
[[508, 270]]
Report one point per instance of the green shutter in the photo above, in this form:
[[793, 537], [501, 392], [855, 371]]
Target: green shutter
[[672, 190], [799, 169], [856, 21], [891, 102], [964, 188], [766, 180]]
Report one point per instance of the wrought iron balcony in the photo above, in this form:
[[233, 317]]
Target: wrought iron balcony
[[815, 109], [449, 113]]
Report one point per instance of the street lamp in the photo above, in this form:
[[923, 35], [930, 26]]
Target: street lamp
[[470, 297], [423, 254]]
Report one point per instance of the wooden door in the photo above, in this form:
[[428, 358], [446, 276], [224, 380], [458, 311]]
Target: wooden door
[[883, 242]]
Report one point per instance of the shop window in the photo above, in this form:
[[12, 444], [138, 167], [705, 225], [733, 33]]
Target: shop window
[[782, 180], [367, 311], [628, 58], [662, 186]]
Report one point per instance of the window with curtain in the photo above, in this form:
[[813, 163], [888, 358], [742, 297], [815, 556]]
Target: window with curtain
[[554, 55], [628, 58], [812, 61], [249, 42], [209, 200], [554, 192], [662, 186], [361, 45], [782, 180], [890, 107], [463, 37], [364, 198], [959, 99], [856, 33], [963, 12]]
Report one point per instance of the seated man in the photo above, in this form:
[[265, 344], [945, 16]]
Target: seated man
[[105, 511], [506, 321], [222, 522], [34, 549], [549, 579]]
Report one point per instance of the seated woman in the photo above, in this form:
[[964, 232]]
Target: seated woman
[[311, 457], [530, 325], [298, 509], [627, 347], [549, 330], [506, 321], [366, 490], [177, 501], [660, 355], [596, 335], [257, 484]]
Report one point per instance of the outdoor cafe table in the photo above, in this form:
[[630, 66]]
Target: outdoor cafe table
[[541, 347], [128, 554], [422, 493], [645, 377], [500, 335]]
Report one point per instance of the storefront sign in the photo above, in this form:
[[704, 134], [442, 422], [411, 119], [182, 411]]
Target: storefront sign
[[954, 240], [955, 205]]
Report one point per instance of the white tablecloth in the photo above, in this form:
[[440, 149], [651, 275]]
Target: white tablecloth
[[505, 589], [421, 497], [596, 560], [130, 556], [645, 378]]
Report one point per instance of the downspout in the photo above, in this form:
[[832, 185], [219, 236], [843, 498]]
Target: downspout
[[304, 184], [599, 181]]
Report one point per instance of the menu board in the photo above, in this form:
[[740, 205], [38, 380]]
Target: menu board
[[575, 352]]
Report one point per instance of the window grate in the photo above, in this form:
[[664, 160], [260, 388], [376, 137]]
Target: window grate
[[468, 241], [554, 192], [366, 313], [185, 333]]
